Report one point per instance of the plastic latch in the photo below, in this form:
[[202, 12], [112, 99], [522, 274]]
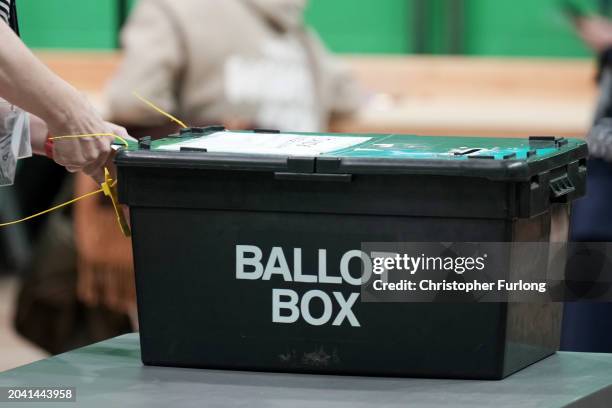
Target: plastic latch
[[301, 164], [561, 187], [542, 138], [546, 141], [144, 143], [199, 131], [328, 164], [314, 169]]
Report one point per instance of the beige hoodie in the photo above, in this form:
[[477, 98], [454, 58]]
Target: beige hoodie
[[211, 61]]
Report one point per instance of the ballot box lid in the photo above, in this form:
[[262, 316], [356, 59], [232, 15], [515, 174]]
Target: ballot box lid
[[495, 158]]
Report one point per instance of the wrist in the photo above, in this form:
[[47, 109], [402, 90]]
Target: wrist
[[39, 134], [49, 146], [67, 114]]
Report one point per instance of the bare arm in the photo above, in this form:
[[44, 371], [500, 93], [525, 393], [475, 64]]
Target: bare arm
[[28, 83], [38, 134]]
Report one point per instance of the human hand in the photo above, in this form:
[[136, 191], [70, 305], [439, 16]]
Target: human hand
[[98, 174], [86, 154], [596, 32]]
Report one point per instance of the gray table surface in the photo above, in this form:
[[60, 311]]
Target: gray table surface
[[110, 374]]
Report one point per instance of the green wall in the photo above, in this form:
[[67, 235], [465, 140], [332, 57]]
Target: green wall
[[483, 27], [526, 27], [368, 26], [68, 23]]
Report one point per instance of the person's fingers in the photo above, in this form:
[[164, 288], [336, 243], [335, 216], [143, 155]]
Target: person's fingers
[[94, 167], [104, 146], [121, 132], [87, 154], [82, 154], [95, 152], [110, 165], [65, 154], [91, 150], [103, 150]]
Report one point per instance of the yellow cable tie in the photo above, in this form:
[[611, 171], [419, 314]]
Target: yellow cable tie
[[160, 110], [110, 190], [109, 185], [57, 207], [125, 142]]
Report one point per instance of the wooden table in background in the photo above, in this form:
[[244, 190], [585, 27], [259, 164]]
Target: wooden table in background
[[430, 95]]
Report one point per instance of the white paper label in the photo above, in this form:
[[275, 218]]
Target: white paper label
[[269, 143]]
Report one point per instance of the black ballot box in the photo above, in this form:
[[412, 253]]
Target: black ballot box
[[247, 248]]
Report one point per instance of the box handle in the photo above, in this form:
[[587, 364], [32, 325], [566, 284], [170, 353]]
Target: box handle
[[561, 187]]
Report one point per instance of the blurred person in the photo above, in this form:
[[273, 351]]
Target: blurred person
[[248, 61], [586, 326], [241, 63]]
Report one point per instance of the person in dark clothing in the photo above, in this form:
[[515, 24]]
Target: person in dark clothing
[[587, 326]]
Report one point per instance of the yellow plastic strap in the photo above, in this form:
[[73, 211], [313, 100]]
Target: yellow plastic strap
[[57, 207], [110, 190], [160, 110], [91, 135], [109, 187]]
